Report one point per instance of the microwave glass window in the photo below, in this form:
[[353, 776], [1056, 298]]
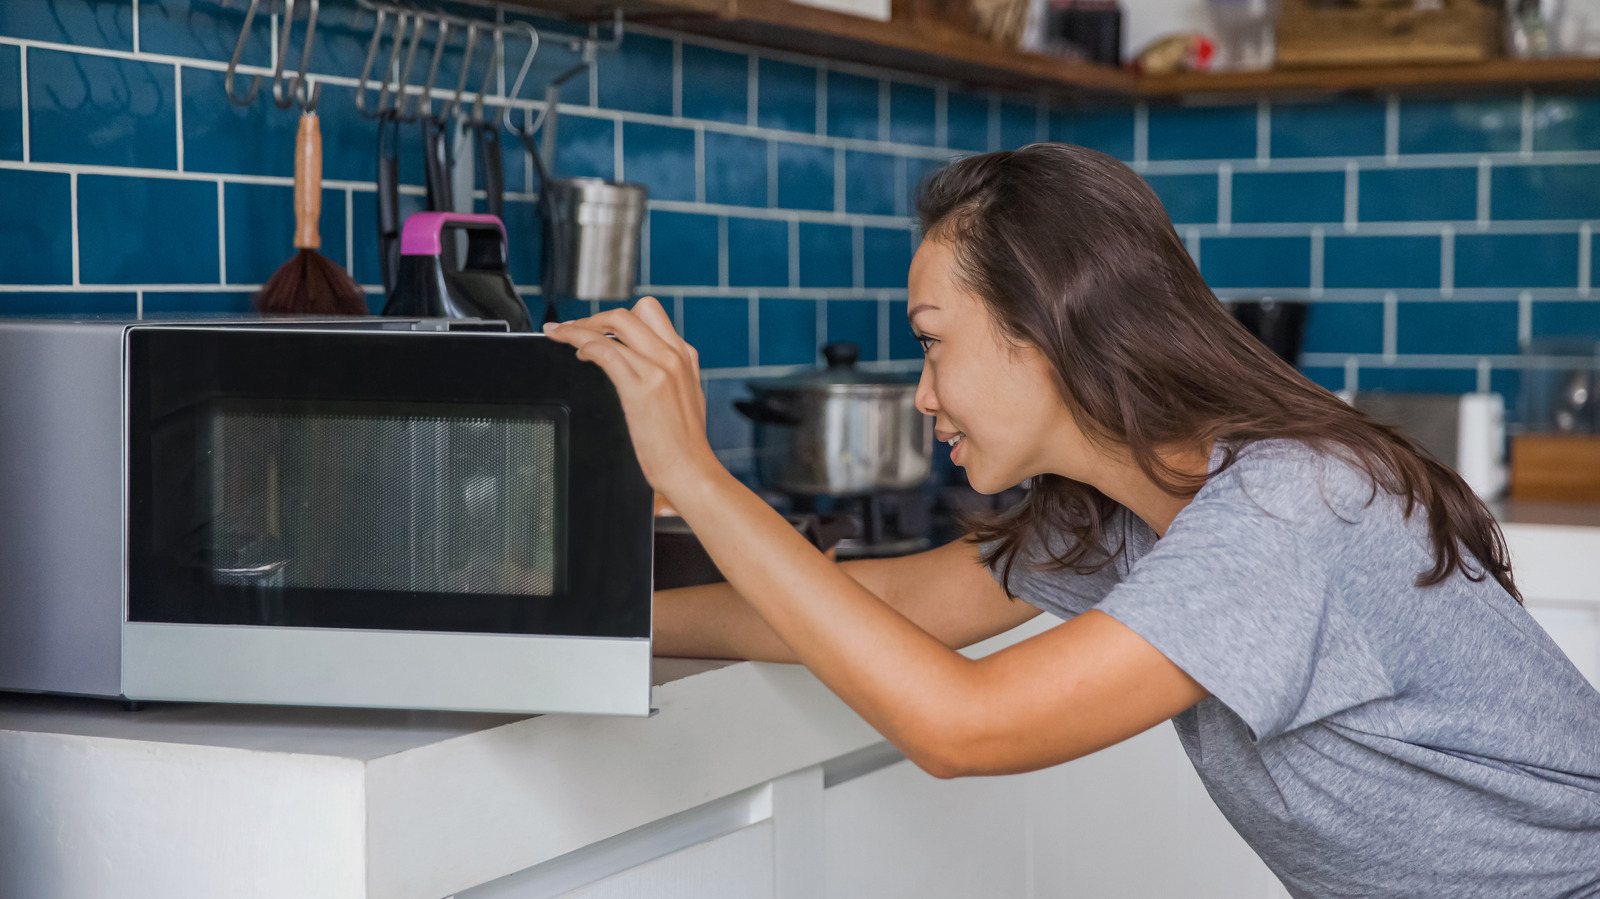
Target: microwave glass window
[[455, 500]]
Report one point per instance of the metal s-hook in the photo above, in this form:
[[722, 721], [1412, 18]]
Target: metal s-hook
[[296, 88], [233, 64]]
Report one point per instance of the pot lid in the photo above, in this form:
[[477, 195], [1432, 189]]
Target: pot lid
[[841, 375]]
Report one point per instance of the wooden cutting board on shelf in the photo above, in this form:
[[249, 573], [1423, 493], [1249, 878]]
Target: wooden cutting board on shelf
[[1560, 467]]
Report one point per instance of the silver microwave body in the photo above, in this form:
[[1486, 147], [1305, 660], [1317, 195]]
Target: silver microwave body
[[529, 601]]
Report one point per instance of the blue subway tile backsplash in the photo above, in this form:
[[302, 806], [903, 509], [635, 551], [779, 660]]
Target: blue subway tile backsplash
[[116, 249], [1189, 199], [1516, 260], [1457, 327], [10, 102], [1256, 262], [639, 78], [716, 85], [1460, 126], [661, 158], [1219, 132], [99, 110], [36, 227], [783, 191], [1417, 195], [1258, 196], [853, 106], [1545, 192], [786, 96], [913, 116], [736, 169], [1305, 130], [826, 255], [1395, 262]]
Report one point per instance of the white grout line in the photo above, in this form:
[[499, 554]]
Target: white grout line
[[1484, 181], [677, 312], [822, 101], [1447, 261], [752, 110], [1224, 198], [1526, 142], [76, 250], [883, 110], [941, 117], [350, 231], [1585, 259], [27, 137], [883, 330], [772, 174], [1352, 195], [994, 122], [222, 233], [136, 26], [177, 108], [822, 328], [838, 180], [1524, 318], [1391, 326], [794, 254], [1391, 128], [1352, 372], [1316, 261], [1141, 135], [902, 193], [753, 316], [699, 165], [1485, 375], [858, 258], [722, 251], [616, 151], [644, 249], [1263, 132], [1191, 240], [677, 79], [138, 304]]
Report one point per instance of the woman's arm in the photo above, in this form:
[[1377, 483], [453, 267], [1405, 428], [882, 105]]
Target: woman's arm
[[945, 591], [1076, 688]]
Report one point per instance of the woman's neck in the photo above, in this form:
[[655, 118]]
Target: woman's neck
[[1126, 483]]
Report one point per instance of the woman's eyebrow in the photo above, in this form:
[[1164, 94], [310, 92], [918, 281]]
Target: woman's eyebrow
[[924, 307]]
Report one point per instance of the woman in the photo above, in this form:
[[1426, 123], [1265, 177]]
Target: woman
[[1326, 613]]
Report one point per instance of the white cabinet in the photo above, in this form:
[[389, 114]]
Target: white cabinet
[[1576, 629], [735, 866], [900, 832]]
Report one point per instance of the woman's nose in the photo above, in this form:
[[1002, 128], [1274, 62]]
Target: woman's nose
[[926, 402]]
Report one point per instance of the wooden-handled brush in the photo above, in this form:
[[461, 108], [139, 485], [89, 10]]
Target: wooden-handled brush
[[310, 283]]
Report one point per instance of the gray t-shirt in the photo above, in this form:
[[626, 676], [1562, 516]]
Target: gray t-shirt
[[1366, 736]]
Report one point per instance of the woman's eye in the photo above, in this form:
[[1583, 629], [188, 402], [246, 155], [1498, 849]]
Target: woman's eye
[[927, 342]]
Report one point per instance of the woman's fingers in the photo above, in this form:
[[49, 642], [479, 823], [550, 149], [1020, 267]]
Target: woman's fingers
[[594, 346]]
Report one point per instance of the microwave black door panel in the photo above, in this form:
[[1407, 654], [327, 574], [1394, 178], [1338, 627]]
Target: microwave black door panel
[[381, 480]]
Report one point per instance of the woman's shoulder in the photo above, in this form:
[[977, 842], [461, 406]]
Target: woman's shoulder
[[1289, 479]]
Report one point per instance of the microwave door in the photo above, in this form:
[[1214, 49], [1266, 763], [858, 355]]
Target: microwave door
[[424, 536]]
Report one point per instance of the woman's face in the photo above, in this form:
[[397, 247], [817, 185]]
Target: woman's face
[[995, 399]]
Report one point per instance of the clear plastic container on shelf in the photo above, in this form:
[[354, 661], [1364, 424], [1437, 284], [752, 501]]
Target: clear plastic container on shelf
[[1244, 32]]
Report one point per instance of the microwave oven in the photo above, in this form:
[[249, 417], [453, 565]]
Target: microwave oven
[[364, 512]]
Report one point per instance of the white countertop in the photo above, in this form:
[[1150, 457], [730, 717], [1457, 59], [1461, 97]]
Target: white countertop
[[419, 805]]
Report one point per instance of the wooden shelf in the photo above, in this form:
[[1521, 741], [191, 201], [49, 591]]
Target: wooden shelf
[[942, 50], [1508, 74]]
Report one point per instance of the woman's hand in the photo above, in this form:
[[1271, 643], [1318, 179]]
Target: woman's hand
[[657, 376]]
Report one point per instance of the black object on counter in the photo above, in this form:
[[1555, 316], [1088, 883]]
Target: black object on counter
[[429, 284], [681, 560], [1277, 323]]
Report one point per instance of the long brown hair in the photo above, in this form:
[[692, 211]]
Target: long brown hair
[[1073, 254]]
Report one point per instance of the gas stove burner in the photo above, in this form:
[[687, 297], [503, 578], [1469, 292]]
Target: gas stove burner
[[890, 523]]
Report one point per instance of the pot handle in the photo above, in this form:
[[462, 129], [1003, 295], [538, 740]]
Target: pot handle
[[843, 354], [765, 411]]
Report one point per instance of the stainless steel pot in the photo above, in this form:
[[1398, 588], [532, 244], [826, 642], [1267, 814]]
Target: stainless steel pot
[[839, 431]]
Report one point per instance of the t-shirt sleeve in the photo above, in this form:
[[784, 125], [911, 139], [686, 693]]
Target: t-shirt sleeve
[[1062, 593], [1236, 598]]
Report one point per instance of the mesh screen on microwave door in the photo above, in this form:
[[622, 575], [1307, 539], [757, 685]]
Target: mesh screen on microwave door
[[434, 504]]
